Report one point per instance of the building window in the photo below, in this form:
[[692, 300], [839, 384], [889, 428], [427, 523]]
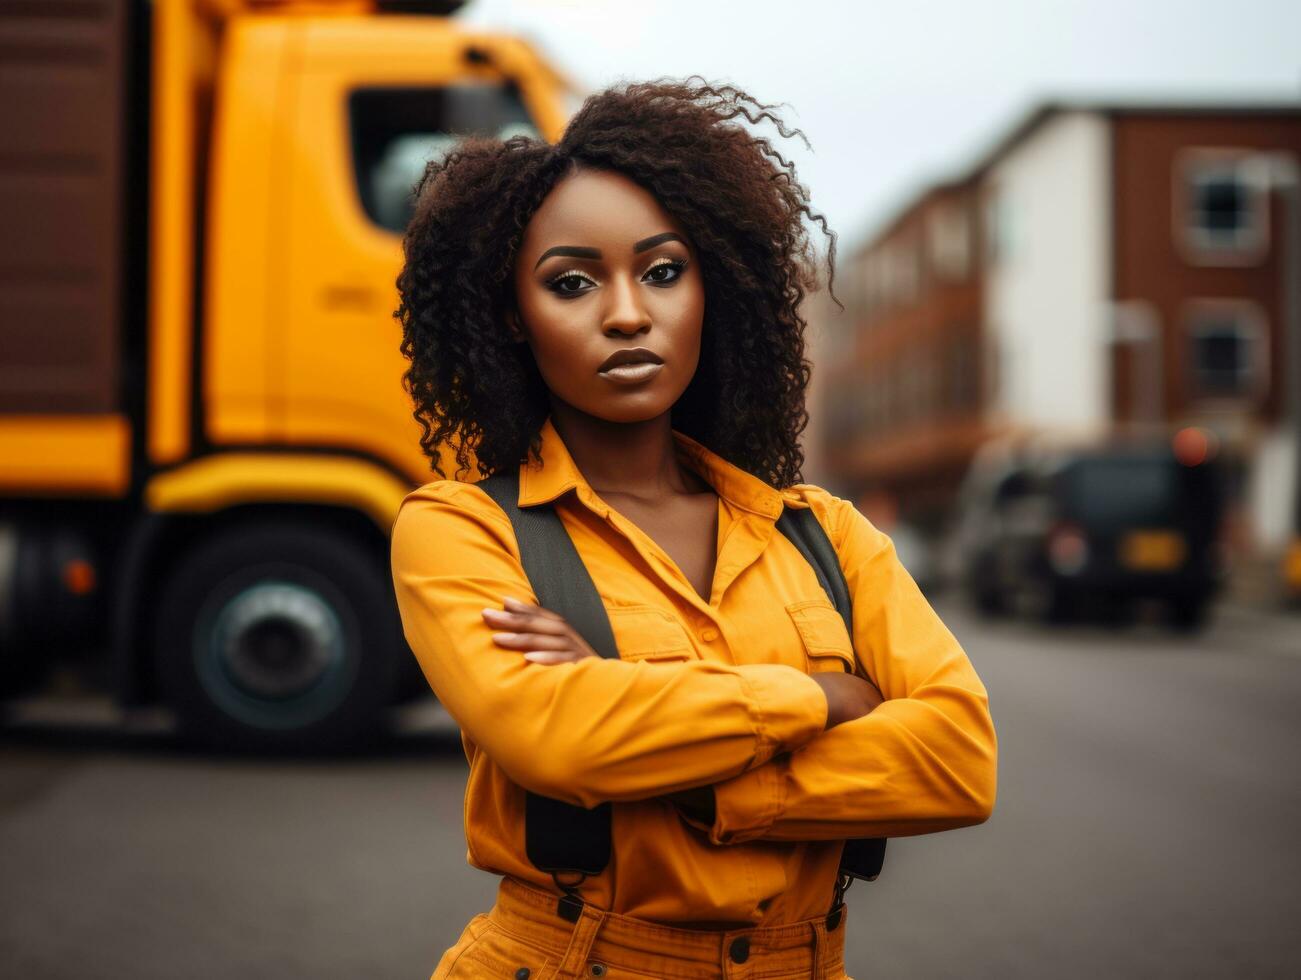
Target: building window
[[1227, 356], [397, 131], [893, 273], [1221, 213], [948, 242], [999, 231], [962, 372]]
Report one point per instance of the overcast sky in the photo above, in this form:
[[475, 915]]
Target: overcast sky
[[895, 95]]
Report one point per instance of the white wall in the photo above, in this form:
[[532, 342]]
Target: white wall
[[1272, 489], [1047, 292]]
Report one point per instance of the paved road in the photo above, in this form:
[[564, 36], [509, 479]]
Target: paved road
[[1147, 826]]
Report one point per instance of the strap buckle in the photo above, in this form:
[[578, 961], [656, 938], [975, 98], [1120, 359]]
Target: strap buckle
[[570, 905], [837, 913]]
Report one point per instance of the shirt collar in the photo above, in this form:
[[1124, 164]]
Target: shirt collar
[[557, 474]]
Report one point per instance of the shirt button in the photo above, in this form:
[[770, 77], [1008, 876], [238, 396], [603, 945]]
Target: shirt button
[[740, 949], [709, 634]]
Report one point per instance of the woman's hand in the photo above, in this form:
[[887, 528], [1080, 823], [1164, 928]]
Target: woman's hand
[[543, 635], [848, 696]]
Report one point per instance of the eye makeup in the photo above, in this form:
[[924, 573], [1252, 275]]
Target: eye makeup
[[554, 282], [664, 262]]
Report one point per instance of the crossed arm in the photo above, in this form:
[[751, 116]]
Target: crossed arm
[[544, 637], [782, 754]]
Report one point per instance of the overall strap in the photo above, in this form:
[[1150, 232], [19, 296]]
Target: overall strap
[[559, 838], [863, 856], [557, 573], [802, 529]]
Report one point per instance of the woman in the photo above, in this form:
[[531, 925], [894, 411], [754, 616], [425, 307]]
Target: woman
[[616, 318]]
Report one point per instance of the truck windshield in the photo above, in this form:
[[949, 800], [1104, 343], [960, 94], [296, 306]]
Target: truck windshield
[[1123, 491], [395, 132]]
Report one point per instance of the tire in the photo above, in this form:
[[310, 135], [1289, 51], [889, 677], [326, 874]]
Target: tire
[[22, 672], [1044, 601], [279, 638], [41, 620], [1113, 611], [1188, 614], [983, 589], [988, 601], [1062, 607]]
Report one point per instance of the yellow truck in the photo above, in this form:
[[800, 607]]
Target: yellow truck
[[204, 439]]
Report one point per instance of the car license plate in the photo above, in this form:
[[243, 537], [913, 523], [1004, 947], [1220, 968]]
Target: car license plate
[[1153, 551]]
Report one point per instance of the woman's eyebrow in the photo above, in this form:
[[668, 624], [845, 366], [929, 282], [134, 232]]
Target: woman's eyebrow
[[665, 236], [573, 251]]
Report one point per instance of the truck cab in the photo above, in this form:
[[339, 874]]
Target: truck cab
[[204, 436]]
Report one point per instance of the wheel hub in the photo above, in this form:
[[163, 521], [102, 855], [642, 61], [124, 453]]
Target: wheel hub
[[275, 655], [277, 639]]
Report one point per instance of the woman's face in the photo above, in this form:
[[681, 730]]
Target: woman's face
[[610, 298]]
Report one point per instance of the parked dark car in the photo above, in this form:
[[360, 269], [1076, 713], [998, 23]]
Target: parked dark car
[[1053, 532]]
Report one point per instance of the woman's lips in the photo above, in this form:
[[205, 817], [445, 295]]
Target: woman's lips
[[634, 373], [631, 366]]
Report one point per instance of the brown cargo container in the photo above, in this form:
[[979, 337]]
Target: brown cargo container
[[62, 260]]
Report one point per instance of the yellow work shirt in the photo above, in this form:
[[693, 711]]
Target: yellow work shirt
[[710, 692]]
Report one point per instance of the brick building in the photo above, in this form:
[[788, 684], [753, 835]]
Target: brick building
[[1101, 267]]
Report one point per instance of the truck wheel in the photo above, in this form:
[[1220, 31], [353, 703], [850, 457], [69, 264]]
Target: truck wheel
[[987, 599], [984, 590], [1189, 613], [279, 638], [1045, 602]]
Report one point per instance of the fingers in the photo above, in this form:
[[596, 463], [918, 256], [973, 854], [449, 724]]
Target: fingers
[[525, 622], [543, 636], [532, 641], [531, 630]]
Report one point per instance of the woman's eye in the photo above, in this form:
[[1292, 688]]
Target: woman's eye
[[569, 283], [664, 272]]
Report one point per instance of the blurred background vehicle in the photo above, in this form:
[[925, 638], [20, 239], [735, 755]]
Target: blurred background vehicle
[[1053, 533], [203, 435]]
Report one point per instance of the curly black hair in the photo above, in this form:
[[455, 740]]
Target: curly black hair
[[478, 395]]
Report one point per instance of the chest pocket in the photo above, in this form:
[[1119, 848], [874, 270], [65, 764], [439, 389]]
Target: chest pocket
[[826, 641], [647, 633]]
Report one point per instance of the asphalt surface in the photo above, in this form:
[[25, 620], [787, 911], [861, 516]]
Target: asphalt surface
[[1147, 822]]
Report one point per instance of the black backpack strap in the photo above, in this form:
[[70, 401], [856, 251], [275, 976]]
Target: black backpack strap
[[559, 838], [864, 856]]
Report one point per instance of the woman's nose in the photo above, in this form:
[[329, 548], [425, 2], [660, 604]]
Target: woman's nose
[[625, 313]]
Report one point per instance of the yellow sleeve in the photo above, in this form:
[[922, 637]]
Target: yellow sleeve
[[923, 761], [585, 732]]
